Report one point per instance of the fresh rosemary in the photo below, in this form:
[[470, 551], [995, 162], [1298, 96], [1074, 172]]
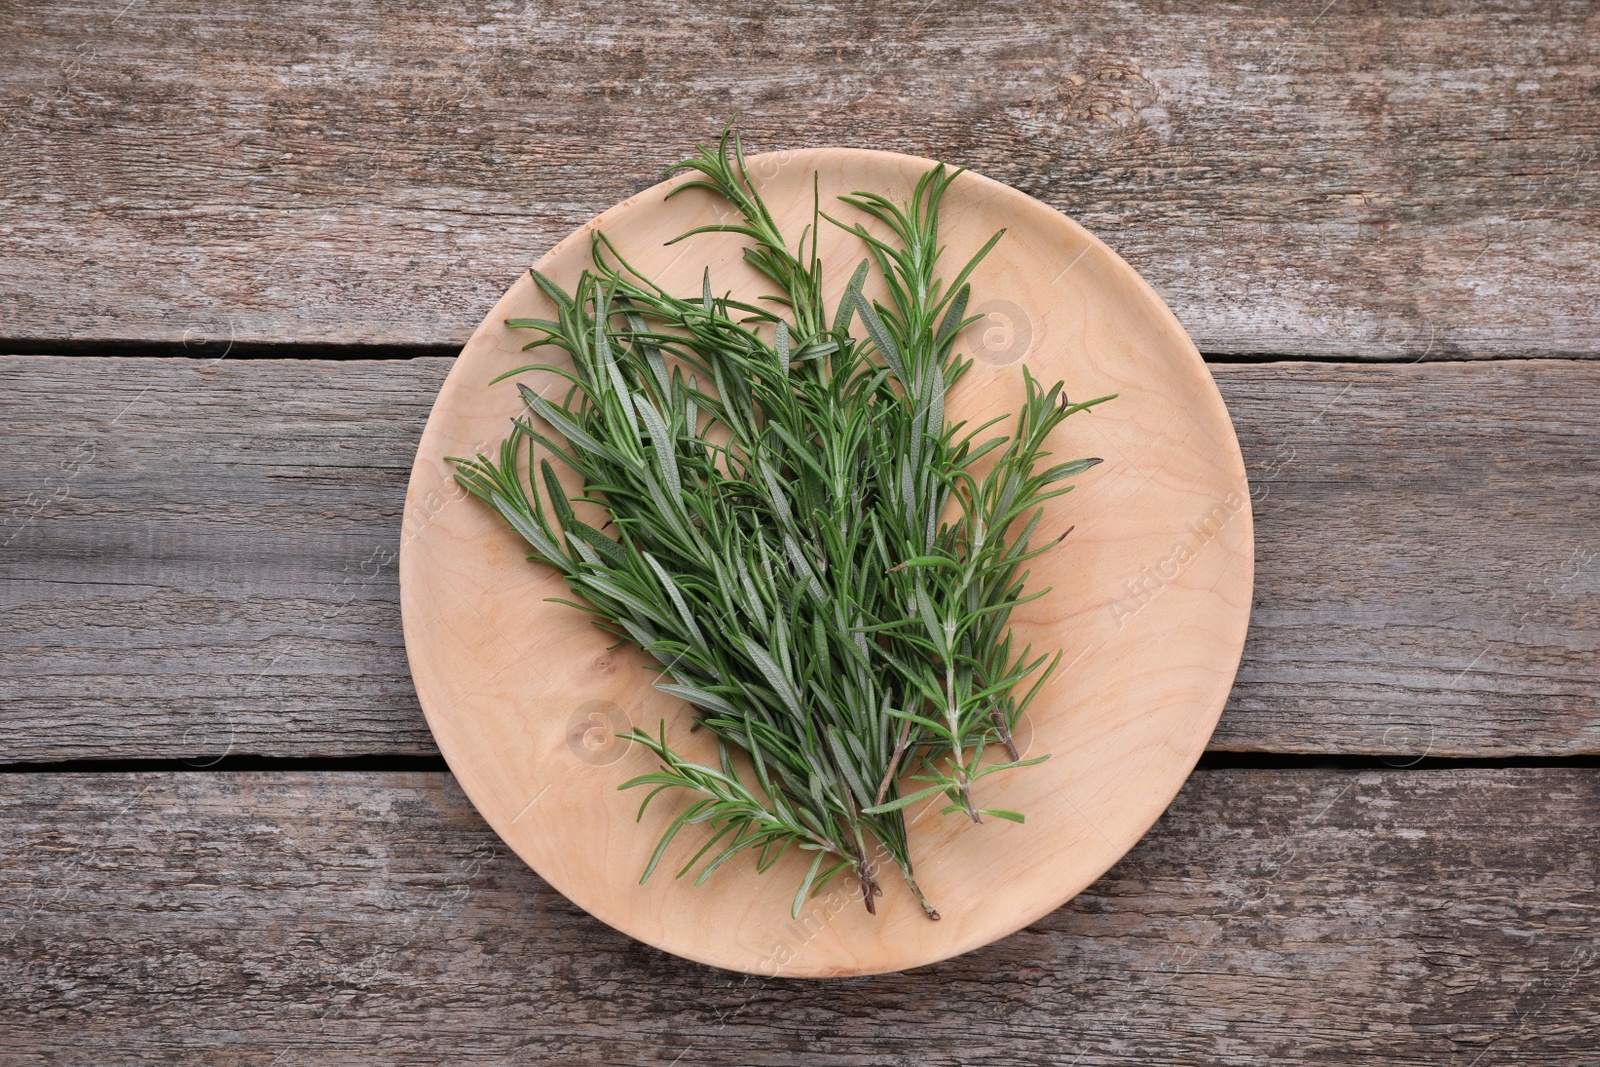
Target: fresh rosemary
[[823, 565]]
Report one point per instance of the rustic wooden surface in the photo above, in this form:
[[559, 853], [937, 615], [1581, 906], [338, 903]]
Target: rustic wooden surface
[[198, 557], [1289, 917], [214, 572], [1298, 178]]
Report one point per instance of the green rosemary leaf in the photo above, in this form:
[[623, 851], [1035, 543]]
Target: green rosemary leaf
[[671, 832], [662, 443], [905, 801], [774, 676], [678, 601], [552, 290], [1066, 470], [826, 877], [781, 347], [805, 885], [994, 767], [953, 320], [699, 697], [558, 496], [852, 295], [887, 346], [847, 767], [728, 828], [604, 546], [925, 723], [528, 324], [562, 424]]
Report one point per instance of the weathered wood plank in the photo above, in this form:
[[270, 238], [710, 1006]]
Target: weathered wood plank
[[1299, 178], [1427, 558], [198, 559], [1291, 917]]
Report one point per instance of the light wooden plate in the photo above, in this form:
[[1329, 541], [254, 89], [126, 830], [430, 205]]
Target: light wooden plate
[[1151, 600]]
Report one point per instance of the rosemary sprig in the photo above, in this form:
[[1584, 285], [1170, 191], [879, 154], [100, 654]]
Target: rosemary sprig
[[821, 564]]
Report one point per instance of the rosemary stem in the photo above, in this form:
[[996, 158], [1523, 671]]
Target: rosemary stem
[[1004, 731], [894, 760]]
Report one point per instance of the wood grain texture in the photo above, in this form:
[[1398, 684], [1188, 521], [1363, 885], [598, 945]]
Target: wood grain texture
[[1303, 917], [1301, 179], [218, 576]]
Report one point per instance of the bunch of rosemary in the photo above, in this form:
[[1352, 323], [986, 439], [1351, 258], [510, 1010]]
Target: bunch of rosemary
[[822, 564]]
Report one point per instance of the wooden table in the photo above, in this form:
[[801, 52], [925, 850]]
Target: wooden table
[[239, 245]]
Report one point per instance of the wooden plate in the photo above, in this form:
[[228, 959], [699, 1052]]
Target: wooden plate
[[1152, 597]]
